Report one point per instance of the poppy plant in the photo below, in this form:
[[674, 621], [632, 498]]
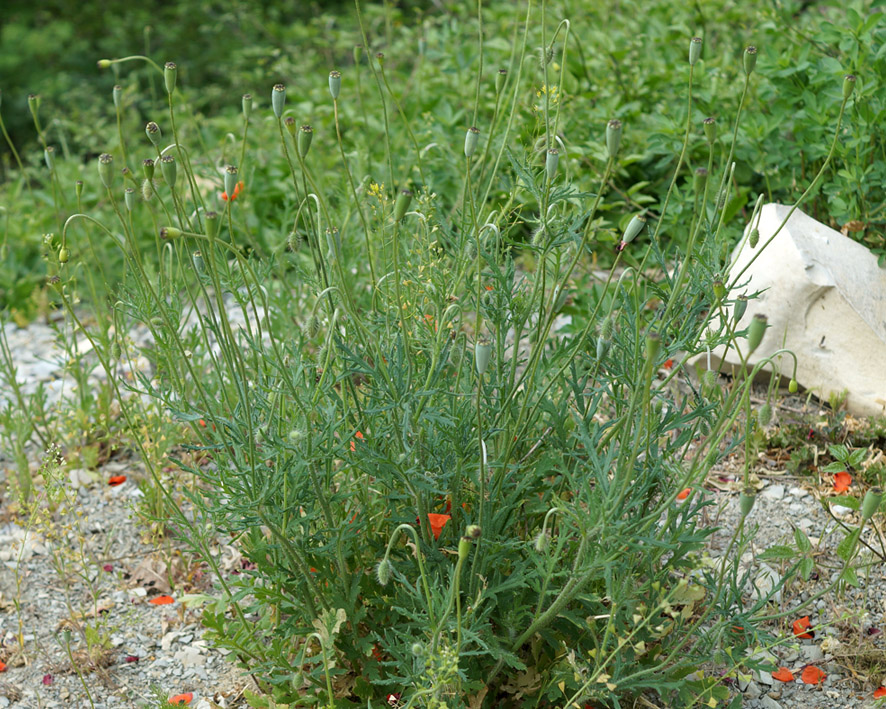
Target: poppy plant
[[801, 627], [842, 481], [783, 674], [812, 675]]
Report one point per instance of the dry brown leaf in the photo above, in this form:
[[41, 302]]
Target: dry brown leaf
[[151, 573]]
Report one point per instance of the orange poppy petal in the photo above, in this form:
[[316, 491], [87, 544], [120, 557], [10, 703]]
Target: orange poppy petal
[[438, 521], [181, 699], [2, 667], [800, 626], [162, 601], [783, 674], [812, 675], [116, 480], [881, 692], [683, 494], [842, 481]]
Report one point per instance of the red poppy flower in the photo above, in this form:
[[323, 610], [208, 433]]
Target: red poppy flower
[[812, 675], [668, 364], [842, 481], [783, 674], [2, 667], [115, 480], [437, 523], [881, 692], [358, 436], [238, 188], [683, 494], [800, 626], [162, 601], [181, 699]]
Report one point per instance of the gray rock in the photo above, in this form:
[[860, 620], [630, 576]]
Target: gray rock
[[773, 492], [769, 703]]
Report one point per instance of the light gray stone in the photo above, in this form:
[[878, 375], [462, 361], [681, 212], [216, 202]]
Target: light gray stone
[[825, 298], [773, 492]]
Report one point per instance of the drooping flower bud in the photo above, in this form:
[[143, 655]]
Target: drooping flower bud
[[746, 501], [383, 571], [750, 59], [848, 85], [757, 329], [278, 99], [754, 237], [103, 63], [710, 129], [871, 502], [334, 84], [169, 75], [764, 415], [793, 386], [694, 50], [169, 170], [152, 130], [401, 205], [613, 137], [635, 226], [129, 198], [63, 255], [542, 542], [305, 137], [105, 169], [118, 97], [230, 180], [247, 106], [738, 310], [500, 78], [472, 137], [551, 162], [482, 355]]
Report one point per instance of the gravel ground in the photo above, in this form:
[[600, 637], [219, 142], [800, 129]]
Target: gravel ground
[[122, 570]]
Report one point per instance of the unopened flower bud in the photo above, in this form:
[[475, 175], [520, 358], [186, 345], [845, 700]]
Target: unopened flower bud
[[278, 99], [230, 180], [750, 59], [793, 386], [764, 415], [635, 226], [383, 571], [103, 63], [754, 237], [710, 129], [542, 542], [848, 85], [169, 169], [551, 162], [719, 289], [305, 138], [482, 355], [739, 308], [471, 139], [500, 78], [694, 50], [401, 205], [169, 232], [147, 189], [613, 137], [105, 169], [63, 255], [169, 76], [334, 84], [757, 329], [871, 502], [152, 130], [247, 106]]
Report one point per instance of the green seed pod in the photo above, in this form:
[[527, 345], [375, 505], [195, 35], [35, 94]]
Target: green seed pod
[[383, 571], [694, 50], [333, 241], [472, 137], [719, 289], [147, 190], [289, 122], [401, 205], [211, 221], [710, 129], [152, 130], [871, 502], [129, 198], [230, 180], [764, 415], [169, 75], [305, 138], [848, 85], [334, 84], [754, 237], [793, 386], [746, 501], [169, 170], [464, 548], [739, 308], [117, 93], [551, 162], [380, 58], [750, 59], [169, 232], [613, 137], [635, 226], [653, 346], [148, 168], [247, 106], [500, 78], [105, 169], [49, 157], [78, 188], [278, 99], [199, 264], [482, 355], [63, 255], [757, 329], [700, 180]]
